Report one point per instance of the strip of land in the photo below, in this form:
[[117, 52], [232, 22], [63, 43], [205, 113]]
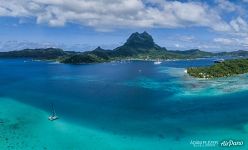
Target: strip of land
[[224, 69], [139, 46]]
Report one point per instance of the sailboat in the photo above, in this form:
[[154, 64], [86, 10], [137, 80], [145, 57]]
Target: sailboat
[[53, 116], [157, 62]]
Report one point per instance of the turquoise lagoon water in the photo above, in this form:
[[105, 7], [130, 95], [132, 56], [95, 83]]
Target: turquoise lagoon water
[[119, 106]]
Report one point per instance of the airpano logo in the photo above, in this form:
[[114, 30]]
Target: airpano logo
[[231, 143], [216, 143]]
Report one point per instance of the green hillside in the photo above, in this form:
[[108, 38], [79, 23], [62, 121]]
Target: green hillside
[[223, 69]]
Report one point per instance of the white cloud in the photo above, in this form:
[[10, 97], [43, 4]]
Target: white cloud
[[186, 38], [226, 5], [177, 45], [235, 42], [111, 14], [107, 15], [239, 25], [224, 41], [237, 37]]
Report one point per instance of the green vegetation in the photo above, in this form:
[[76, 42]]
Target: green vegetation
[[49, 53], [137, 46], [83, 58], [223, 69]]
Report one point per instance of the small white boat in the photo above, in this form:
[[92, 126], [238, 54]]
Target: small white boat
[[219, 60], [157, 62], [53, 116]]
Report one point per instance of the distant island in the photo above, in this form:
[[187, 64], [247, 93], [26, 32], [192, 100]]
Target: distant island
[[222, 69], [138, 46]]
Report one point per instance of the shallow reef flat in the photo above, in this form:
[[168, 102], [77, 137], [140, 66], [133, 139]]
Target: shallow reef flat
[[184, 85]]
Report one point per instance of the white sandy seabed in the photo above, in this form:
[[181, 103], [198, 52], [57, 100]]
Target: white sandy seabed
[[24, 127]]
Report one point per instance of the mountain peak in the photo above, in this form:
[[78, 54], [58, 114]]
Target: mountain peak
[[138, 43], [145, 33], [140, 40], [98, 48]]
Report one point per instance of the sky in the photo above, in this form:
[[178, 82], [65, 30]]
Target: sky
[[80, 25]]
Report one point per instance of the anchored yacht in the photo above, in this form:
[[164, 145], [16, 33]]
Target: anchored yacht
[[53, 116]]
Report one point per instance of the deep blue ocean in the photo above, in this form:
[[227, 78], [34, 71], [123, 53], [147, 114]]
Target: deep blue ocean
[[130, 98]]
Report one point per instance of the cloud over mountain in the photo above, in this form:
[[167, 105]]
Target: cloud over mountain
[[111, 14], [225, 19]]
